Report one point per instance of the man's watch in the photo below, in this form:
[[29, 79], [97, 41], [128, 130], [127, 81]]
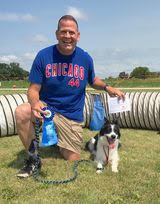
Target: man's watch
[[105, 87]]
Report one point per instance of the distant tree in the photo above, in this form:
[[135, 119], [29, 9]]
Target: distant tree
[[123, 75], [4, 71], [16, 71], [140, 72], [12, 71]]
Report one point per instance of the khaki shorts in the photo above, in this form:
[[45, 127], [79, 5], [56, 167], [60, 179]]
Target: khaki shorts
[[69, 133]]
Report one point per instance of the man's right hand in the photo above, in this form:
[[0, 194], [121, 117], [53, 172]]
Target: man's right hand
[[33, 99], [37, 109]]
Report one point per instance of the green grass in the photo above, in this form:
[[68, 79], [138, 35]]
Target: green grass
[[138, 180], [133, 83], [130, 83], [118, 83], [18, 84], [5, 92]]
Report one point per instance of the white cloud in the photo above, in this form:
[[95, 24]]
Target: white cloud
[[8, 17], [40, 38], [13, 17], [76, 13], [28, 17], [8, 58], [25, 60], [110, 62], [29, 56]]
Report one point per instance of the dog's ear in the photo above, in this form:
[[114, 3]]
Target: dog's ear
[[106, 121], [116, 119], [102, 130], [119, 134]]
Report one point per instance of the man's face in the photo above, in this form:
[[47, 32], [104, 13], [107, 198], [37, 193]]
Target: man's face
[[67, 36]]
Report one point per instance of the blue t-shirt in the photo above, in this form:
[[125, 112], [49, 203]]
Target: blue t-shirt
[[63, 80]]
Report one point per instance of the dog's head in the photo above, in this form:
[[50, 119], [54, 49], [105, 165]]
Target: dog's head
[[110, 130]]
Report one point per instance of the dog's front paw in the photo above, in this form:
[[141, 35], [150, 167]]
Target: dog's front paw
[[115, 170], [99, 170]]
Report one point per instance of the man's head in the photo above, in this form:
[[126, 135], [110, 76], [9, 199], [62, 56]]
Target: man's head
[[67, 34]]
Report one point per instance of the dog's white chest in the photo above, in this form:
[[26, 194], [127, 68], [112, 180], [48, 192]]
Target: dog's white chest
[[102, 153]]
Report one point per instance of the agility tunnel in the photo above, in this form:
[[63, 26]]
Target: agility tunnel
[[8, 104], [144, 114]]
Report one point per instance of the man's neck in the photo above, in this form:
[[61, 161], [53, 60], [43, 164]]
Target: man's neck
[[66, 54]]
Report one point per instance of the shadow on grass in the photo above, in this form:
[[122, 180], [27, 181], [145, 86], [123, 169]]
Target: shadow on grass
[[45, 152]]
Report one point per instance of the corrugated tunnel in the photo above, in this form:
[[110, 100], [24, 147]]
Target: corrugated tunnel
[[8, 104], [144, 114]]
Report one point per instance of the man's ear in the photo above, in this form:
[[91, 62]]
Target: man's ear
[[78, 38]]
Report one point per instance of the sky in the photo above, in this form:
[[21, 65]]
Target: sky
[[119, 34]]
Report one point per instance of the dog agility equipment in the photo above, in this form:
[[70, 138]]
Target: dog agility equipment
[[144, 114]]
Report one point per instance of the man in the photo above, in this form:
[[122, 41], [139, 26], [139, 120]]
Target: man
[[59, 76]]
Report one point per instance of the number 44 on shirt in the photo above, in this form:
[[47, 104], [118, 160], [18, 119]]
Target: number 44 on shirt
[[74, 82]]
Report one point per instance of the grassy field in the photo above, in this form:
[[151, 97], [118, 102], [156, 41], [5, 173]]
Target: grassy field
[[138, 180], [118, 83], [17, 84], [150, 82], [133, 83]]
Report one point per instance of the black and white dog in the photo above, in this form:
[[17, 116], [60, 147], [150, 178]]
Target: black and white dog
[[104, 146]]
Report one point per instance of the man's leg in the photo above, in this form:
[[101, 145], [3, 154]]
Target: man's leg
[[25, 129], [69, 137], [69, 155], [24, 124]]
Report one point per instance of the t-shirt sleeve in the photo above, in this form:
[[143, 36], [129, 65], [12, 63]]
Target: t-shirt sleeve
[[36, 73], [91, 72]]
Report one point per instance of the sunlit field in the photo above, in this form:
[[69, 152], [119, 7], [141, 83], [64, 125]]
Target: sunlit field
[[138, 179]]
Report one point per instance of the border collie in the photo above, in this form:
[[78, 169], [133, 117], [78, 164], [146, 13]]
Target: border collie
[[104, 146]]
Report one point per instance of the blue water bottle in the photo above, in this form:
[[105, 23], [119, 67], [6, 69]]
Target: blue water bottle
[[49, 135]]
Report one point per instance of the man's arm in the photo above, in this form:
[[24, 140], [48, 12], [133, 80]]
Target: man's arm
[[33, 99], [100, 85]]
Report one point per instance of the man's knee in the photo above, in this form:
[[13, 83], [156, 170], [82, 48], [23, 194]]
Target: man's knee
[[69, 155], [23, 112]]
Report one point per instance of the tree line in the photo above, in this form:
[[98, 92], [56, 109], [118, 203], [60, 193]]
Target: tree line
[[12, 71], [140, 73]]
